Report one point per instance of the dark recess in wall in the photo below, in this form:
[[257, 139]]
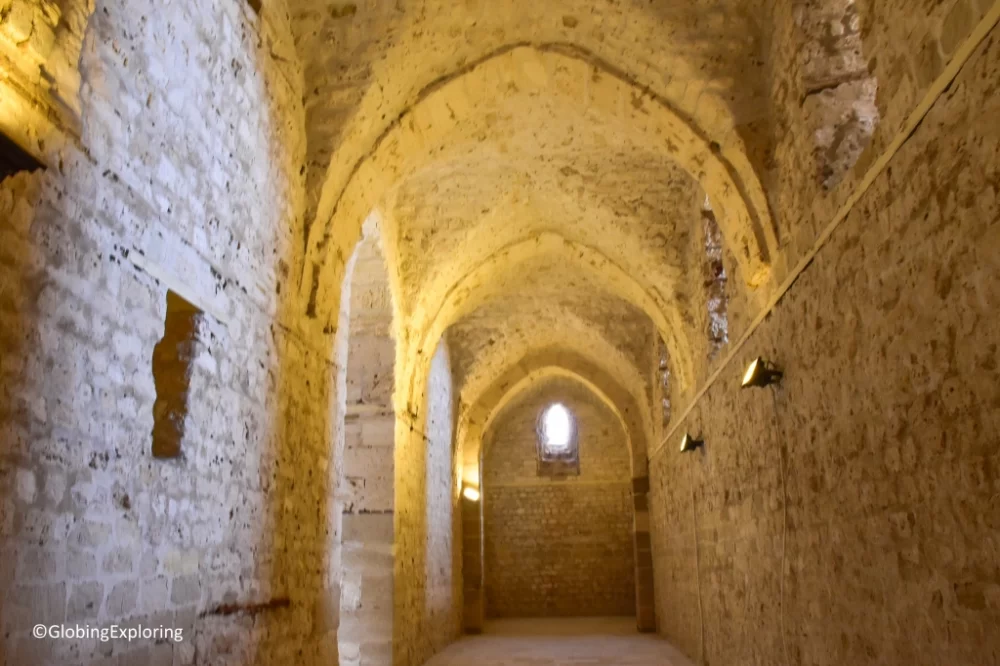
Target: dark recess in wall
[[172, 364], [14, 159]]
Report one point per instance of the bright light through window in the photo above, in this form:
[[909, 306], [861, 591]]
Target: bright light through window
[[557, 428]]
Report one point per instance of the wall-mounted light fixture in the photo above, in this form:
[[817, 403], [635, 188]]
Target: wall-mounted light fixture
[[471, 494], [689, 443], [761, 373]]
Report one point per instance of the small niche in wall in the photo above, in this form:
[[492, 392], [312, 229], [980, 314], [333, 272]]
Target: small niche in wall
[[14, 158], [173, 357], [255, 5]]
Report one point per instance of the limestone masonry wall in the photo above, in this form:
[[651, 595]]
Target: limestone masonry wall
[[850, 515], [557, 547], [286, 489], [844, 77], [184, 177]]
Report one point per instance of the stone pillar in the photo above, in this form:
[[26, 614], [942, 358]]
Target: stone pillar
[[472, 565], [365, 635], [645, 608]]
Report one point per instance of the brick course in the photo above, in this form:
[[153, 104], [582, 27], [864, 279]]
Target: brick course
[[558, 547]]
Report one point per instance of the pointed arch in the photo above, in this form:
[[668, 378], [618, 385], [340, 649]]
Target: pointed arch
[[577, 78], [430, 321], [364, 448], [483, 409]]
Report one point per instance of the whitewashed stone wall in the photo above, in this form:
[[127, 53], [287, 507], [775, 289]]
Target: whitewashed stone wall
[[185, 177]]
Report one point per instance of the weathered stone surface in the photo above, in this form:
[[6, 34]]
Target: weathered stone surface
[[171, 167], [557, 547], [538, 178], [849, 515]]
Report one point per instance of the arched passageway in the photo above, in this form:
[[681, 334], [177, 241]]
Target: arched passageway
[[366, 491], [380, 447], [288, 288], [616, 436]]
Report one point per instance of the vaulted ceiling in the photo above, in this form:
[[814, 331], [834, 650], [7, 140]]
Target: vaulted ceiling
[[538, 173]]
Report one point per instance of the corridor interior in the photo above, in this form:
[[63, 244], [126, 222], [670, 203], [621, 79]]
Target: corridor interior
[[406, 332]]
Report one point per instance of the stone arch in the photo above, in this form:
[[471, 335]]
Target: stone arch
[[366, 417], [534, 370], [429, 323], [578, 78], [482, 410], [583, 340], [595, 359], [396, 487], [540, 376]]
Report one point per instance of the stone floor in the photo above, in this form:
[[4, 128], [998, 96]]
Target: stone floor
[[580, 642]]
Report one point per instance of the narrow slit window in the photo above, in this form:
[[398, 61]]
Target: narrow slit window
[[558, 450], [173, 358], [14, 159]]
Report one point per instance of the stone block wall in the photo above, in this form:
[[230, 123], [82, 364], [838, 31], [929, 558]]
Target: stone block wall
[[844, 77], [850, 515], [184, 177], [557, 546]]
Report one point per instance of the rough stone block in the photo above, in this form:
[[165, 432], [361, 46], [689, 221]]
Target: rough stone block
[[85, 601]]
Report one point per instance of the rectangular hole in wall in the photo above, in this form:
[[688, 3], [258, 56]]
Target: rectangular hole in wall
[[172, 361], [255, 5], [14, 158]]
